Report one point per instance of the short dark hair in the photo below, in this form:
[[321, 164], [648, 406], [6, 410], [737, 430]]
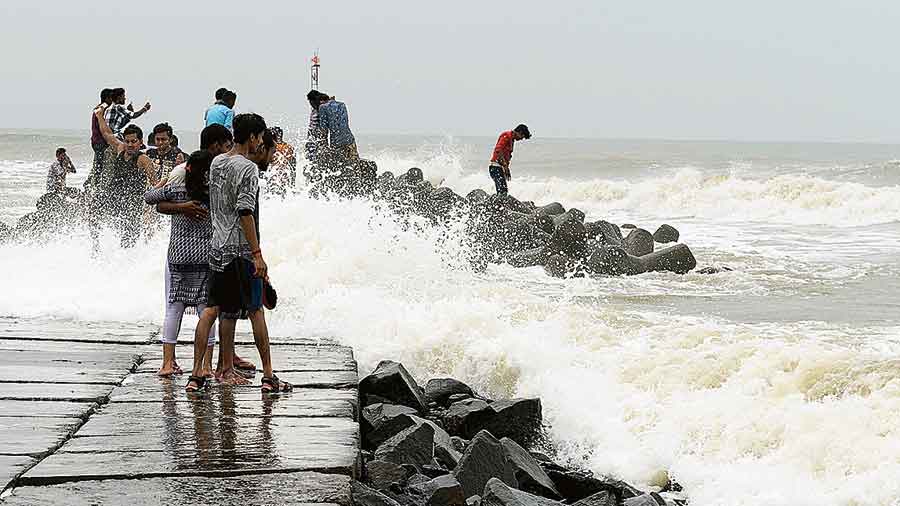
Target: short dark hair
[[268, 139], [522, 129], [60, 151], [196, 176], [174, 140], [117, 93], [105, 94], [214, 134], [133, 130], [248, 124], [162, 128], [220, 93], [150, 140], [277, 133], [229, 95]]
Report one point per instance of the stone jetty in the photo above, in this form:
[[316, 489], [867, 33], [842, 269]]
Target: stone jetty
[[85, 420]]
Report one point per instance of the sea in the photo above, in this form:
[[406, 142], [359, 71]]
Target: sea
[[777, 382]]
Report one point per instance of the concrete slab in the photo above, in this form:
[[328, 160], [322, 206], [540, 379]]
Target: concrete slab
[[302, 402], [34, 436], [54, 392], [10, 467], [20, 408], [254, 490], [98, 332], [149, 387], [224, 447], [286, 358]]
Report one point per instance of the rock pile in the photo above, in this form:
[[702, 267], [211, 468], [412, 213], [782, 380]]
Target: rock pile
[[522, 234], [500, 228], [446, 446]]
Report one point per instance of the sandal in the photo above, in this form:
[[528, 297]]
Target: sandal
[[275, 385], [199, 384]]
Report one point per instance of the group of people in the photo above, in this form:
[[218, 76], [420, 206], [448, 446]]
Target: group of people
[[215, 263]]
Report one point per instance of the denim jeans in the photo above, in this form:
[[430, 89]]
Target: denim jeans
[[496, 172]]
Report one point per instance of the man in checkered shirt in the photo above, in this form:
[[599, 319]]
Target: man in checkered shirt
[[118, 116]]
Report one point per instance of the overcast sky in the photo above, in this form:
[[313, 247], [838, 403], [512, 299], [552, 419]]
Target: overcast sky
[[761, 70]]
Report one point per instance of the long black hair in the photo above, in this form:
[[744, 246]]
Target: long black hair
[[196, 178]]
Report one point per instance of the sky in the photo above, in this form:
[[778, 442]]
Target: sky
[[765, 70]]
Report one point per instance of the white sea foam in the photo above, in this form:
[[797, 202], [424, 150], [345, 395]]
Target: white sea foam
[[739, 413]]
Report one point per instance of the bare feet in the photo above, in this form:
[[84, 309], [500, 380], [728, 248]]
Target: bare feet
[[230, 377], [168, 370], [241, 363]]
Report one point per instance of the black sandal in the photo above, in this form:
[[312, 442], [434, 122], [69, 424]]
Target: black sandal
[[276, 384], [199, 381]]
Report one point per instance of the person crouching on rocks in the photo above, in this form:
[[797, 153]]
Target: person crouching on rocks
[[56, 176], [187, 268], [499, 168]]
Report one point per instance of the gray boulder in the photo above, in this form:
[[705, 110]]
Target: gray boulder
[[575, 485], [478, 196], [613, 261], [602, 498], [382, 421], [485, 459], [462, 417], [517, 419], [498, 493], [527, 258], [529, 475], [439, 390], [440, 491], [365, 496], [665, 234], [638, 242], [413, 445], [568, 239], [651, 499], [381, 474], [551, 209], [413, 175], [571, 214], [678, 259], [390, 380], [604, 233], [508, 203]]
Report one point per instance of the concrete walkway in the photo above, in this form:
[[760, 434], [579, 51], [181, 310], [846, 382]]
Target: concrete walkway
[[86, 421]]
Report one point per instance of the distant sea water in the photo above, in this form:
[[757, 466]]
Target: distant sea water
[[775, 383]]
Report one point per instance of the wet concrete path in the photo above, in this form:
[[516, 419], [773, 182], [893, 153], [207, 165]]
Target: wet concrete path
[[86, 420]]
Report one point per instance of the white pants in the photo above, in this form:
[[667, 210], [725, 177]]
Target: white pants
[[174, 315]]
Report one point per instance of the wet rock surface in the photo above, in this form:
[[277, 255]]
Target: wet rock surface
[[254, 490], [390, 380], [104, 429], [513, 468]]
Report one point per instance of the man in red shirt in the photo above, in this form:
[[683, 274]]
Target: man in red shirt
[[499, 168]]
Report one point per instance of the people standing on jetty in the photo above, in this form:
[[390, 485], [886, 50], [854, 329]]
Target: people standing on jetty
[[283, 174], [236, 260], [56, 176], [98, 143], [335, 124], [222, 111], [118, 116], [503, 150], [187, 266], [164, 155], [118, 196]]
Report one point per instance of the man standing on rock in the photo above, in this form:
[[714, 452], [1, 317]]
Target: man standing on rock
[[499, 168], [221, 112], [118, 116]]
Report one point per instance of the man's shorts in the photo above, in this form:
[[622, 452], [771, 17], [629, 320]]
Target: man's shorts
[[236, 292]]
